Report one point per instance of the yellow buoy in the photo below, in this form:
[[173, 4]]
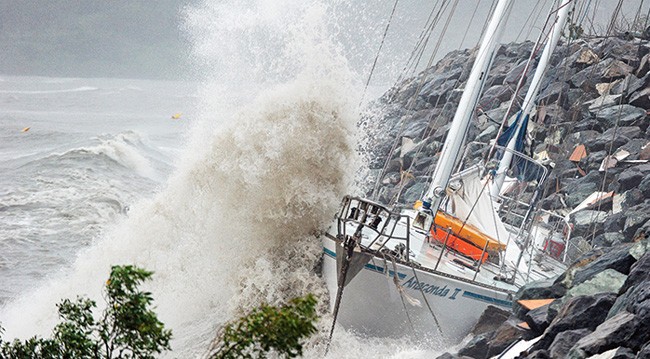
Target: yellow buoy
[[25, 129], [176, 116]]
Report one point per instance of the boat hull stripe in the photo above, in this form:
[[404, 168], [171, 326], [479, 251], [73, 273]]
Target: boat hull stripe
[[484, 298], [467, 294]]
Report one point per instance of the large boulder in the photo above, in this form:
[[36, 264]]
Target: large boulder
[[625, 329], [623, 115], [565, 340], [618, 259], [636, 217], [581, 312], [638, 273]]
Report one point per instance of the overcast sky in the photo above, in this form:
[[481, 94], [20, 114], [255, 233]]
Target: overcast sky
[[143, 39]]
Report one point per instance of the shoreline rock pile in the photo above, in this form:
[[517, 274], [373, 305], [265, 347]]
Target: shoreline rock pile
[[599, 306], [592, 127]]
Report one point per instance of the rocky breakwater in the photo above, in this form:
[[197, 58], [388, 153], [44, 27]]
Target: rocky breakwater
[[591, 126], [600, 308]]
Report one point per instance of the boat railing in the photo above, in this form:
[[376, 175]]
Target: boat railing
[[518, 199], [374, 220]]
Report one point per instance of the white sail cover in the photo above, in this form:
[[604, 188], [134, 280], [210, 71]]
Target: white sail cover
[[471, 202]]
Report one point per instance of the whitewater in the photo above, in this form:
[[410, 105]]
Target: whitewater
[[224, 204]]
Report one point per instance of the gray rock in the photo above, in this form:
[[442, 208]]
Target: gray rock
[[641, 99], [605, 240], [587, 222], [538, 319], [539, 354], [614, 222], [504, 336], [630, 178], [637, 216], [513, 76], [541, 289], [555, 92], [625, 115], [490, 320], [620, 304], [579, 189], [644, 352], [581, 312], [638, 273], [607, 281], [618, 259], [477, 347], [565, 340], [624, 329]]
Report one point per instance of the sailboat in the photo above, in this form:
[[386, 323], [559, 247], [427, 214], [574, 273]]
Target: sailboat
[[470, 242]]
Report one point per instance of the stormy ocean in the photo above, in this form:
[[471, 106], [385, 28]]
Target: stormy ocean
[[218, 185]]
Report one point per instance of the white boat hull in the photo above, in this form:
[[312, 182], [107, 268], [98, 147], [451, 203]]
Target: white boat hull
[[372, 304]]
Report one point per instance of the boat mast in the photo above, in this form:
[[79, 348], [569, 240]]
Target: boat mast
[[533, 90], [466, 106]]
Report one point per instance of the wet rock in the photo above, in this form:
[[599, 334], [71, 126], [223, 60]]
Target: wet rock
[[490, 320], [618, 259], [477, 347], [538, 319], [624, 329], [555, 92], [587, 222], [637, 216], [565, 340], [581, 312], [607, 281], [624, 115], [506, 334], [638, 273]]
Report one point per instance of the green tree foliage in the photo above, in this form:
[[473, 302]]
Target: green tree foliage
[[268, 328], [128, 327]]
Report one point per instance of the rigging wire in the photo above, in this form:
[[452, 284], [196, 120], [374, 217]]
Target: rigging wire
[[408, 111], [383, 39]]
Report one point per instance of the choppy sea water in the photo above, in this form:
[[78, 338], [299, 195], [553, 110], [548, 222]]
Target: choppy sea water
[[74, 154]]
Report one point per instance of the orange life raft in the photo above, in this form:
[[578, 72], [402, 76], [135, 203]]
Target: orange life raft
[[464, 238]]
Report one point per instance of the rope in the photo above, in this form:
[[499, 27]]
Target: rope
[[435, 319], [401, 292]]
